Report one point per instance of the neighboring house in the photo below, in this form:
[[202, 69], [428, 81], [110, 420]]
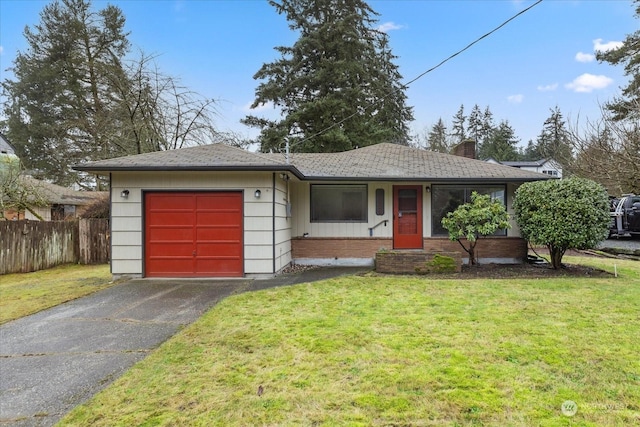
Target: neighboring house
[[546, 166], [216, 210], [5, 147], [63, 203]]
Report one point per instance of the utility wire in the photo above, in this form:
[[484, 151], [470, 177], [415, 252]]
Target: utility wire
[[406, 85]]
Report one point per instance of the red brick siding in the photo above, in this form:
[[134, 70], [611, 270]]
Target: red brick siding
[[328, 247], [408, 262]]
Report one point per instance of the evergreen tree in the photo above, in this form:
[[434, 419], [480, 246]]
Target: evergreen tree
[[475, 124], [75, 98], [554, 140], [487, 125], [337, 86], [531, 152], [458, 126], [502, 144], [437, 139], [628, 105], [60, 105]]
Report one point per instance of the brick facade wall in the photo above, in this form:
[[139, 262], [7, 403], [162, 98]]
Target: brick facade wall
[[411, 262], [335, 248]]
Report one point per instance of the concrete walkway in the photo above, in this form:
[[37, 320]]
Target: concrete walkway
[[59, 358]]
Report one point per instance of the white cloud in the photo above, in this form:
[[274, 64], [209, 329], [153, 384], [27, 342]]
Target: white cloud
[[598, 46], [585, 57], [389, 26], [586, 83], [1, 50], [548, 88], [515, 99]]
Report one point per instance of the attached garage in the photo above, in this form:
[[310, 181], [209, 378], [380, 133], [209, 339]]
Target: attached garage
[[193, 234]]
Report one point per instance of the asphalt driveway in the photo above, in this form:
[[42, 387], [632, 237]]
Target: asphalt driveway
[[56, 359]]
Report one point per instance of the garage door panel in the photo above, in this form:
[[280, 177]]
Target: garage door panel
[[177, 249], [219, 233], [196, 234], [166, 234], [175, 218], [216, 266], [219, 217], [220, 201], [219, 249], [173, 267], [173, 201]]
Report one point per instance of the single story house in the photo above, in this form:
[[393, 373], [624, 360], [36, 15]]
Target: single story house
[[61, 203], [220, 211], [546, 166]]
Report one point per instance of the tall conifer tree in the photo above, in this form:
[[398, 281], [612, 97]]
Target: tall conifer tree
[[337, 86]]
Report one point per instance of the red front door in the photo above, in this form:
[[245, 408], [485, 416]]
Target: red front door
[[193, 234], [407, 217]]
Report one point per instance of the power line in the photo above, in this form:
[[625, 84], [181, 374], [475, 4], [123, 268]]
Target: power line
[[406, 85]]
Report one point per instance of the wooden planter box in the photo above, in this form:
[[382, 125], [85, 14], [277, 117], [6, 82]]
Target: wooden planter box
[[414, 262]]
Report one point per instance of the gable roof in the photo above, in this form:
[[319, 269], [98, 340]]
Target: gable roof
[[524, 164], [55, 194], [380, 162]]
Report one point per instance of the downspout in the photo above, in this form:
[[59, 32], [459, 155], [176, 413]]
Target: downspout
[[273, 220]]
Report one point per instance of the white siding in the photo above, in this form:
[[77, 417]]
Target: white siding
[[127, 215], [302, 206], [302, 224]]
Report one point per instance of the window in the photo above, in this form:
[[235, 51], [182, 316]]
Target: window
[[446, 198], [380, 201], [338, 203], [550, 172]]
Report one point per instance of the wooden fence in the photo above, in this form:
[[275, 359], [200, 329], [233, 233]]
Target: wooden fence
[[36, 245]]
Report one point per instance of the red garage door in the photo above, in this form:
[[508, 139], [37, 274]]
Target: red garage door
[[196, 234]]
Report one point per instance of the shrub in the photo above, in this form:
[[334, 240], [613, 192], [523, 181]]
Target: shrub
[[562, 214], [480, 217]]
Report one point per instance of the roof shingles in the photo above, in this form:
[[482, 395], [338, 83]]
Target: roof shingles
[[376, 162]]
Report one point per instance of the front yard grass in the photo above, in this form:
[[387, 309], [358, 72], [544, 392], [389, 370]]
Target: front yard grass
[[27, 293], [410, 351]]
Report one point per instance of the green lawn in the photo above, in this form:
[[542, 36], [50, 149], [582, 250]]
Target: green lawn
[[27, 293], [409, 351]]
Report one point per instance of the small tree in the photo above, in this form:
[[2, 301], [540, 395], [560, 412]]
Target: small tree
[[562, 214], [481, 217]]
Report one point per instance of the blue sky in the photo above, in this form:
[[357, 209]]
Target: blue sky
[[542, 59]]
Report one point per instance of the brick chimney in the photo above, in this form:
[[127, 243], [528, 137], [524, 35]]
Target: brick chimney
[[466, 148]]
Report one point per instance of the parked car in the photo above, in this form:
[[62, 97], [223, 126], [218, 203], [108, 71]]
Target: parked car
[[625, 216]]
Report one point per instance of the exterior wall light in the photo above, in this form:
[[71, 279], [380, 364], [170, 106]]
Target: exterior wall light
[[124, 194], [257, 194], [428, 189]]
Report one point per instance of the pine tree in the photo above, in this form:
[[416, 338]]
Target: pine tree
[[60, 104], [437, 139], [74, 98], [458, 126], [554, 140], [502, 144], [475, 124], [337, 86], [626, 106]]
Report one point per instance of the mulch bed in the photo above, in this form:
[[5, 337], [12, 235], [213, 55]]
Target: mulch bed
[[501, 271], [504, 271]]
